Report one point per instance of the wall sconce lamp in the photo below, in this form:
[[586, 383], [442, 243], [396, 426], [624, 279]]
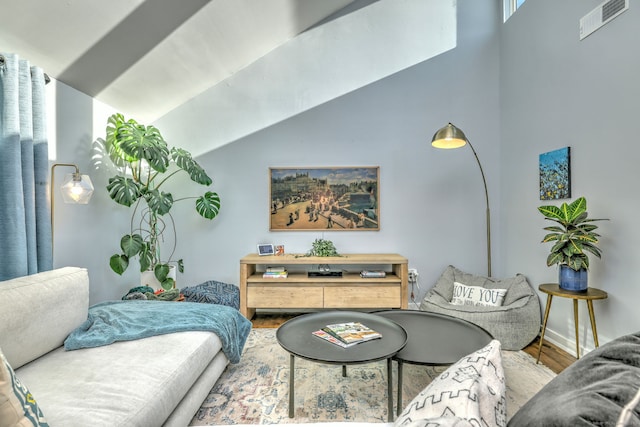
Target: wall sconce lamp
[[452, 137], [76, 188]]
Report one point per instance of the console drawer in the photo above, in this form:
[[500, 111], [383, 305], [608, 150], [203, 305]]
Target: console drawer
[[362, 296], [284, 297]]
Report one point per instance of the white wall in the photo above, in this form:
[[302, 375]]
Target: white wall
[[432, 201], [558, 91]]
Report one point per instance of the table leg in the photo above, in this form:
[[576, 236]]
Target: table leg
[[400, 368], [544, 325], [390, 389], [291, 374], [575, 321], [344, 370], [592, 317]]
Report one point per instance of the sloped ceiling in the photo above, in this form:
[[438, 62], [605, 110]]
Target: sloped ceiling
[[147, 57]]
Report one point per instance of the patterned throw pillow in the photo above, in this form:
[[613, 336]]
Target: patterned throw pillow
[[213, 292], [18, 408], [477, 295], [470, 393]]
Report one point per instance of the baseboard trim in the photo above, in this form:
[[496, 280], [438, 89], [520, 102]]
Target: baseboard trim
[[569, 344]]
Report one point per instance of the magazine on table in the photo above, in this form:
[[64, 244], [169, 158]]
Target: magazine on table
[[333, 340], [352, 332]]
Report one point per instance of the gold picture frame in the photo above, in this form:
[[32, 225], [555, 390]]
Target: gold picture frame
[[324, 198]]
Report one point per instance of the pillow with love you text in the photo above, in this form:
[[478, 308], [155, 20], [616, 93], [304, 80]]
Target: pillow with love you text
[[477, 295]]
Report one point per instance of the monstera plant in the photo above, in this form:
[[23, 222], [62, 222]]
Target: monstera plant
[[147, 165]]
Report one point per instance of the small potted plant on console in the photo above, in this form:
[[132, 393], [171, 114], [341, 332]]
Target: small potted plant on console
[[323, 248]]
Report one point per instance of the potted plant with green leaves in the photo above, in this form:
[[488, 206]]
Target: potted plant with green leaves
[[322, 247], [574, 238], [147, 165]]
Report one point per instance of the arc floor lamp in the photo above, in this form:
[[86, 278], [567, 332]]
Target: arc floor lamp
[[452, 137], [75, 189]]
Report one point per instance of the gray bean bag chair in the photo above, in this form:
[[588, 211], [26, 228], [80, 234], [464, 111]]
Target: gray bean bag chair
[[515, 323]]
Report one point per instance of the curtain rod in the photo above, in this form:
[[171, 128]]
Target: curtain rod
[[47, 79]]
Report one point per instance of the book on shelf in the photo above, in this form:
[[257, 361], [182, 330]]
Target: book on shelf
[[370, 274], [351, 332], [275, 269], [333, 340], [275, 275]]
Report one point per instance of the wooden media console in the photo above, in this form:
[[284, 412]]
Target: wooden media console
[[299, 291]]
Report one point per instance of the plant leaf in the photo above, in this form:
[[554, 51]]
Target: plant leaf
[[208, 205], [131, 244], [144, 142], [168, 284], [161, 272], [593, 249], [577, 208], [124, 191], [555, 258], [551, 212], [146, 256], [112, 144], [554, 228], [159, 202], [119, 263], [551, 237], [185, 162]]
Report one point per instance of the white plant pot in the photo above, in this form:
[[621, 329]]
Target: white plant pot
[[148, 278]]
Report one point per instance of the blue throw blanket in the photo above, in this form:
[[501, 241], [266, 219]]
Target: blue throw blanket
[[113, 321]]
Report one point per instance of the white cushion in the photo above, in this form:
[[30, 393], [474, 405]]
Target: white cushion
[[477, 295], [470, 393], [37, 312]]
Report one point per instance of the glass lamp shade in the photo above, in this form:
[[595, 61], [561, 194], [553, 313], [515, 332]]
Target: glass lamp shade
[[76, 189], [449, 137]]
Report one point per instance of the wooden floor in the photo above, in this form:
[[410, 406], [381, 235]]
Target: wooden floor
[[552, 357]]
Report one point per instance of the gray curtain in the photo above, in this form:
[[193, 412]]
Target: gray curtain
[[25, 221]]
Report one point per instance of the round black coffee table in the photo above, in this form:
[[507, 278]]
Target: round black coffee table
[[434, 339], [296, 337]]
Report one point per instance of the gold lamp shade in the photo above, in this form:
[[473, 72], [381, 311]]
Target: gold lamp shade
[[448, 137]]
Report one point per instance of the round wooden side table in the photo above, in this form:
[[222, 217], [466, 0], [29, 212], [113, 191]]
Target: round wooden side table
[[553, 289]]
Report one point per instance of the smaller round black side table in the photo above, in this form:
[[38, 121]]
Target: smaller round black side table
[[434, 339], [553, 289], [296, 337]]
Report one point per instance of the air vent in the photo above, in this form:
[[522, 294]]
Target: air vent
[[601, 15]]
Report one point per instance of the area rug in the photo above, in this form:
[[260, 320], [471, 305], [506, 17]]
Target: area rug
[[256, 390]]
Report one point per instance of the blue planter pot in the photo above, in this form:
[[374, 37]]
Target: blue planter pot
[[572, 280]]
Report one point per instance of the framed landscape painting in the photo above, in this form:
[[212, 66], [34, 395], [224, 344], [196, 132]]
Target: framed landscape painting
[[555, 174], [324, 198]]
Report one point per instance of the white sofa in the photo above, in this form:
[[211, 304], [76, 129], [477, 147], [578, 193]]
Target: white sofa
[[160, 380]]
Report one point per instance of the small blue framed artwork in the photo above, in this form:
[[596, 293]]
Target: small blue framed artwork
[[555, 174]]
